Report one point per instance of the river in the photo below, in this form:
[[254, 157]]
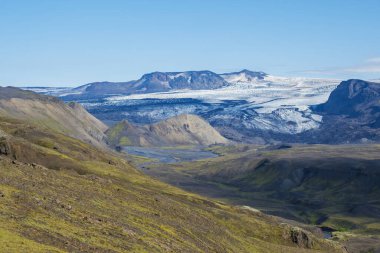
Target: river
[[170, 155]]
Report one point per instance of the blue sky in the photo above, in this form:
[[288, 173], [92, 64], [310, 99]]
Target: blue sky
[[72, 42]]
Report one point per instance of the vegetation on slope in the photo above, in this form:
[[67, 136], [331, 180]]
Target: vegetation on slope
[[70, 119], [59, 194], [328, 186]]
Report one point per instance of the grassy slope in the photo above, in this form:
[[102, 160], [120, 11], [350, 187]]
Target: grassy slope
[[71, 119], [77, 198], [333, 186]]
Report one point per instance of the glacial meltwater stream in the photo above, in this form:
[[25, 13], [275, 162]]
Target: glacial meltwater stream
[[170, 155]]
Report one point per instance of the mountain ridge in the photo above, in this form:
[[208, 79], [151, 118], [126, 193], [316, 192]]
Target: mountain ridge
[[185, 129], [50, 112], [159, 82], [353, 108]]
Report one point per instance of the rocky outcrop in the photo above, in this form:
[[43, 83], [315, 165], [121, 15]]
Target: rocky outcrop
[[298, 236], [5, 148]]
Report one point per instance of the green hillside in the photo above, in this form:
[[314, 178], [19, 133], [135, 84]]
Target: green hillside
[[324, 185], [59, 194]]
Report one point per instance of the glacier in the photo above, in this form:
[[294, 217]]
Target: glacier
[[251, 104], [282, 104]]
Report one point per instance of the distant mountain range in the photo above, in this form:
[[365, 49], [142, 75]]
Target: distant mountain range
[[244, 106], [159, 82], [166, 81]]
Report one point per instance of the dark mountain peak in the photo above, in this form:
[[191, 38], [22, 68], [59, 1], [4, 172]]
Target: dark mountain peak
[[352, 97], [351, 113], [356, 87]]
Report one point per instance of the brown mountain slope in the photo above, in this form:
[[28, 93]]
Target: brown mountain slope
[[71, 119], [185, 129]]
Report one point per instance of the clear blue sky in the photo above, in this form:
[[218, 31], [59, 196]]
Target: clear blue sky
[[72, 42]]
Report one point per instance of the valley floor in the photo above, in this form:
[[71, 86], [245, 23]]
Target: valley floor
[[337, 188]]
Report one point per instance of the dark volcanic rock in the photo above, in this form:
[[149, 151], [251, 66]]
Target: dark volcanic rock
[[353, 98], [4, 146], [351, 114], [300, 237]]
